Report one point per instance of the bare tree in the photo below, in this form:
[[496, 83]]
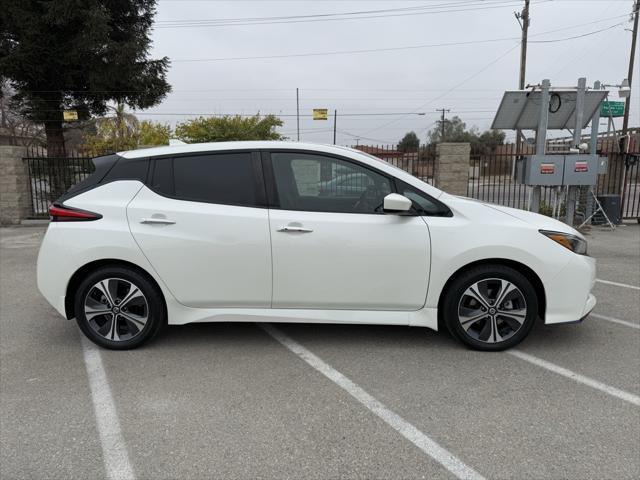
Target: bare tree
[[18, 129]]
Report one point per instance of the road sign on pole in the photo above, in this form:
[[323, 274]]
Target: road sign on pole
[[611, 108], [320, 114], [69, 115]]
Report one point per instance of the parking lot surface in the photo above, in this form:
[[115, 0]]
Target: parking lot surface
[[321, 401]]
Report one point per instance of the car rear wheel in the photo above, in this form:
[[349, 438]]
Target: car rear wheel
[[118, 308], [491, 307]]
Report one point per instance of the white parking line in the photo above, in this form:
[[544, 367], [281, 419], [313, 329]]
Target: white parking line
[[625, 285], [615, 320], [408, 431], [615, 392], [114, 450]]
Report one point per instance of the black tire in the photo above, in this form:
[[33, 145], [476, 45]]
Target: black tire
[[457, 300], [152, 305]]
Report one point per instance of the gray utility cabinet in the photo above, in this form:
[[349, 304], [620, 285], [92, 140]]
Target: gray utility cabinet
[[552, 170]]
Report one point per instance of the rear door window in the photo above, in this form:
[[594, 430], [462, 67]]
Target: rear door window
[[224, 178]]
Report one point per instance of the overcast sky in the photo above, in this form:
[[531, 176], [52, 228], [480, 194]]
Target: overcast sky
[[468, 79]]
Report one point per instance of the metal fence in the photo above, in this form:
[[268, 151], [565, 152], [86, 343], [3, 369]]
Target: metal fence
[[491, 176], [623, 178], [50, 177], [419, 162], [492, 179]]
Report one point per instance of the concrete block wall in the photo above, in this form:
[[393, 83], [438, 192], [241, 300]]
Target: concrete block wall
[[452, 167], [15, 198]]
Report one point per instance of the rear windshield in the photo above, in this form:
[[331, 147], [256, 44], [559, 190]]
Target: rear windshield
[[101, 166]]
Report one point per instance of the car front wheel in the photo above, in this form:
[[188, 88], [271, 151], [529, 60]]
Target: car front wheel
[[490, 307], [118, 308]]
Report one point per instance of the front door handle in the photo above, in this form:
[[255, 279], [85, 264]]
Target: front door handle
[[295, 229], [159, 221]]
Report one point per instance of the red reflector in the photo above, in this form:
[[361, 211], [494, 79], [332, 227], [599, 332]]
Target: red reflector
[[66, 214]]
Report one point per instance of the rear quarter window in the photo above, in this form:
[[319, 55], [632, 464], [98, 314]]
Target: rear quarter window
[[125, 169], [101, 167]]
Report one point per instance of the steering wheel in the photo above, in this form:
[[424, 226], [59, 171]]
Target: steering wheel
[[368, 200]]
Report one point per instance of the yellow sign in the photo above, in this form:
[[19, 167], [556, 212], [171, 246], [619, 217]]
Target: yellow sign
[[70, 115], [320, 113]]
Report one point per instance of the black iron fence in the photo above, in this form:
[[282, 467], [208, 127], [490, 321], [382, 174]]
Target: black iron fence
[[492, 179], [50, 177], [491, 176], [419, 162]]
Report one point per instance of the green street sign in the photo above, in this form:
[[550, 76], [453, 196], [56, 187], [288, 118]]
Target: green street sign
[[616, 109]]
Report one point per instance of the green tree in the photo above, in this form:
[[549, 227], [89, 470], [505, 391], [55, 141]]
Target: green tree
[[123, 131], [489, 140], [229, 128], [455, 130], [78, 55], [409, 143], [152, 133]]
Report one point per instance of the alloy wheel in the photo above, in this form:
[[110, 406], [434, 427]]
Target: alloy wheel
[[492, 310], [116, 309]]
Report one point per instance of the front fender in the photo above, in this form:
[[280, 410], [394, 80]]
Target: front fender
[[457, 242]]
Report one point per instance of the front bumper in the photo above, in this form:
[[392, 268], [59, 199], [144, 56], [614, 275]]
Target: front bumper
[[590, 305], [569, 297]]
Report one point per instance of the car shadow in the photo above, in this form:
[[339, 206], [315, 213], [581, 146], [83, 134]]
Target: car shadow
[[347, 336]]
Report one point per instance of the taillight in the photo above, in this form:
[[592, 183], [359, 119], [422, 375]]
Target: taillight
[[60, 213]]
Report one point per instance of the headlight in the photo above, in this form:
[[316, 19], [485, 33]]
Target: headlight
[[572, 242]]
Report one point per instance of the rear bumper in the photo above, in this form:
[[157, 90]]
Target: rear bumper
[[53, 269]]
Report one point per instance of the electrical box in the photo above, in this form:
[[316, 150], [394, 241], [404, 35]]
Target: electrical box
[[603, 164], [611, 206], [553, 170], [542, 170], [580, 170]]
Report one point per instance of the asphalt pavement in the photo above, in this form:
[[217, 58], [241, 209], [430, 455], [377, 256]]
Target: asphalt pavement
[[321, 401]]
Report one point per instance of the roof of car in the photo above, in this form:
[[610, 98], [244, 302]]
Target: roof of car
[[217, 146], [280, 145]]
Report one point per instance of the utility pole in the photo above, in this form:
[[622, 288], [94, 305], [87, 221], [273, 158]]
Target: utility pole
[[335, 121], [443, 110], [627, 104], [636, 11], [298, 112], [523, 20]]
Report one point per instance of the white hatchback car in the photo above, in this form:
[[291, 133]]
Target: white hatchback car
[[253, 232]]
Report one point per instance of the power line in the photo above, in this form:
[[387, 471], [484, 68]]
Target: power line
[[326, 15], [420, 90], [214, 23], [391, 49], [578, 36], [345, 52], [452, 88], [274, 114], [344, 132]]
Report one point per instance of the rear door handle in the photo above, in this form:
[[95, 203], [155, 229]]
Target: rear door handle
[[159, 221], [295, 229]]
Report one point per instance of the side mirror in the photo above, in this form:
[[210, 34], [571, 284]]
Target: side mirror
[[396, 203]]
